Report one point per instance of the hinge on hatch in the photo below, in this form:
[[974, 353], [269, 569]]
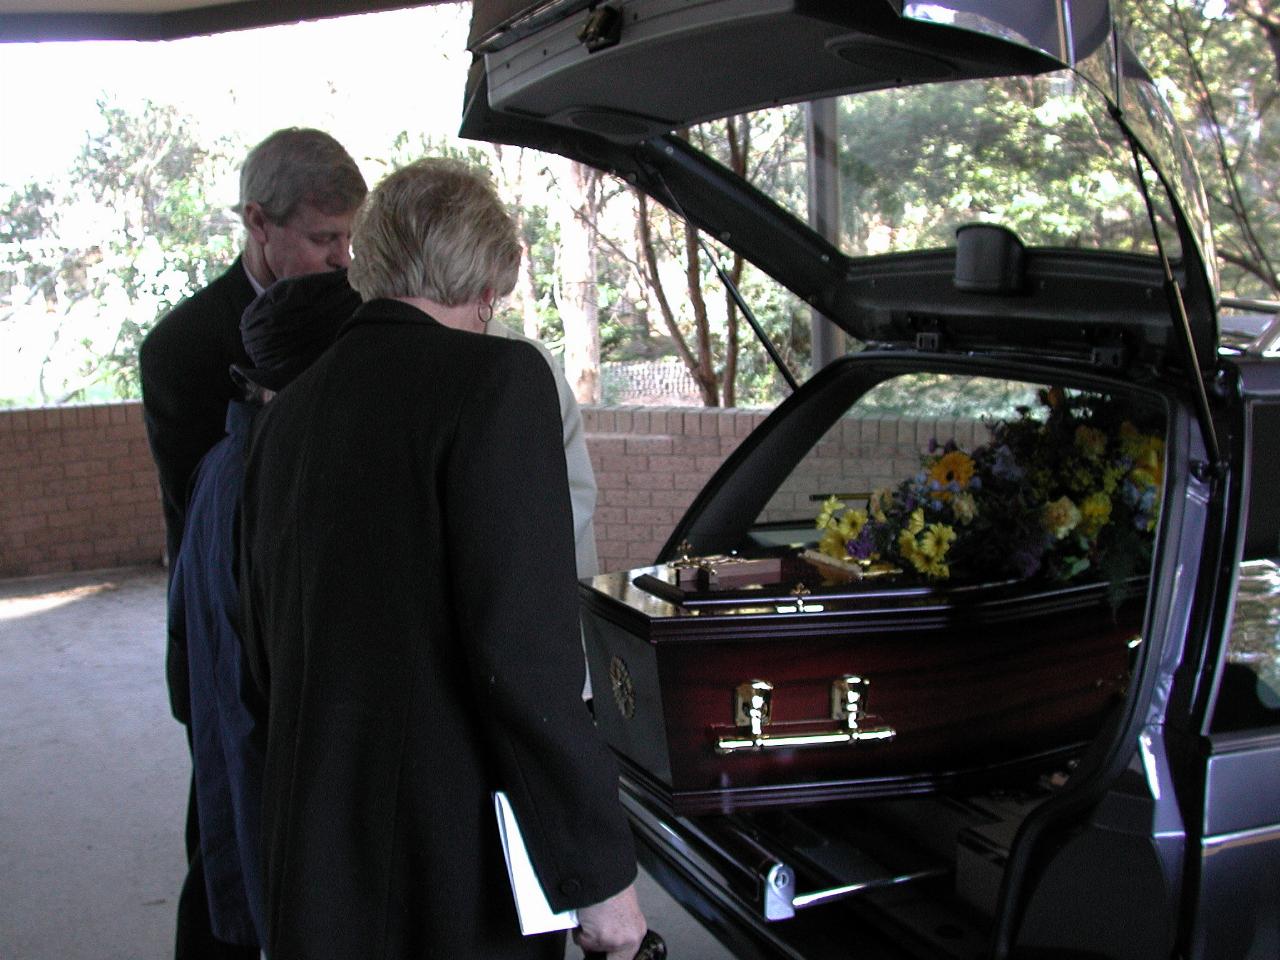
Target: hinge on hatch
[[603, 29], [929, 340], [1111, 356]]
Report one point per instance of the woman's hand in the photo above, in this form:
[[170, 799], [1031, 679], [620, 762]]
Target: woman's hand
[[613, 927]]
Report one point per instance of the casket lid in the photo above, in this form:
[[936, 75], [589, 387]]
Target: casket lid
[[653, 602]]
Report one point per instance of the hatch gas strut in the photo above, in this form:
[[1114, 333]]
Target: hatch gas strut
[[729, 285], [1178, 308], [746, 310]]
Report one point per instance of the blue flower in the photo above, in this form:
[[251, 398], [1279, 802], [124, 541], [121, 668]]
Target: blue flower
[[1140, 498], [1005, 465]]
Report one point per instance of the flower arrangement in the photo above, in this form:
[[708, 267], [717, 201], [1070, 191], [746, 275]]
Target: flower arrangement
[[1075, 491]]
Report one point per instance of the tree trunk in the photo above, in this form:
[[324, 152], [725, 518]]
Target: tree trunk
[[525, 295], [705, 372], [729, 386], [526, 292], [738, 131], [1268, 21], [576, 268], [653, 279]]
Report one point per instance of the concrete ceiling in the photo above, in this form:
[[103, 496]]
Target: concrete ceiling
[[42, 20], [104, 6]]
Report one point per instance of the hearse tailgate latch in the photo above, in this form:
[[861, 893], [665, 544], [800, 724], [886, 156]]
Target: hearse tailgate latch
[[753, 709]]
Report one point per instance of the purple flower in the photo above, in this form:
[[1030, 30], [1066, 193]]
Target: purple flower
[[863, 545], [1025, 562], [1005, 465]]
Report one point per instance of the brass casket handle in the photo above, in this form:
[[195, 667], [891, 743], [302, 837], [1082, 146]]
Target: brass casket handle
[[752, 711]]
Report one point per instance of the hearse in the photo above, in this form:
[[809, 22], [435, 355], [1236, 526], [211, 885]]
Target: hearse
[[970, 650]]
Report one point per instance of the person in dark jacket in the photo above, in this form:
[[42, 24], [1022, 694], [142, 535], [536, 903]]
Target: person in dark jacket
[[411, 615], [298, 192], [283, 330]]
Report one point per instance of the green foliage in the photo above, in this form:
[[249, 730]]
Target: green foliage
[[28, 216], [541, 235], [95, 255], [408, 147], [1221, 62], [109, 247], [170, 238], [786, 320], [1024, 152]]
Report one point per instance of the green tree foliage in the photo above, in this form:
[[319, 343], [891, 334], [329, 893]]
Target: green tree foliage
[[29, 217], [1026, 153], [95, 255], [1222, 61], [107, 248], [170, 238]]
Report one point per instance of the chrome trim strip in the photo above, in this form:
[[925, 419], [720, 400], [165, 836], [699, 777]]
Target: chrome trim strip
[[1241, 838]]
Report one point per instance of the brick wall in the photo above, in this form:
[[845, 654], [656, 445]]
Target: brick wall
[[77, 490], [862, 454], [650, 464]]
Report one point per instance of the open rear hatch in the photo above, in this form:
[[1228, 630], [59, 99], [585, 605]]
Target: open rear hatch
[[609, 84]]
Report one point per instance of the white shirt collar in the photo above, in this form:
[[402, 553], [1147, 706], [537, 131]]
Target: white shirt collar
[[253, 281]]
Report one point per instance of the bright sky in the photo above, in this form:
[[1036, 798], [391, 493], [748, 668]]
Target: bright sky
[[362, 78]]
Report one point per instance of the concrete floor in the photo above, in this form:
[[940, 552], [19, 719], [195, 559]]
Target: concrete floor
[[94, 772]]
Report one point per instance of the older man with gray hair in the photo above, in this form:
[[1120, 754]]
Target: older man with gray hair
[[299, 190], [411, 615]]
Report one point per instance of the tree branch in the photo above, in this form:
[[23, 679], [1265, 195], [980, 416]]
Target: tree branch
[[644, 236]]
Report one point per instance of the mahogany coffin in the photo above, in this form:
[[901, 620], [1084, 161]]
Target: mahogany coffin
[[728, 698]]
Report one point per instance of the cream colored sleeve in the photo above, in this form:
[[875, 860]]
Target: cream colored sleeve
[[582, 479]]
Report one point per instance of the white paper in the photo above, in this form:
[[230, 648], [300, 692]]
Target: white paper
[[532, 908]]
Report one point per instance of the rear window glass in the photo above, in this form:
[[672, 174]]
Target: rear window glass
[[968, 479], [1249, 691], [1037, 155], [1249, 694]]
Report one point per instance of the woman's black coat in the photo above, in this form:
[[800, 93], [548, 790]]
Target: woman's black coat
[[411, 612]]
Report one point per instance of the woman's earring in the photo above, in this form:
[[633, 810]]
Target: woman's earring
[[484, 313]]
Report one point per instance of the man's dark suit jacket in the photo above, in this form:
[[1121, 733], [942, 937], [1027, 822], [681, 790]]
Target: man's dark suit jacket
[[185, 390], [411, 610]]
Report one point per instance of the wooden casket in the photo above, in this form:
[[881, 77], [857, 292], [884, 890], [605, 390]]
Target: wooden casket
[[777, 687]]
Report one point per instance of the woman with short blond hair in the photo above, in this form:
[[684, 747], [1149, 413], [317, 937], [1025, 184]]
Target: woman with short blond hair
[[411, 615], [436, 230]]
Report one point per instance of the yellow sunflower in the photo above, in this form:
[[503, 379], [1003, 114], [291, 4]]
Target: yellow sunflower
[[954, 467]]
